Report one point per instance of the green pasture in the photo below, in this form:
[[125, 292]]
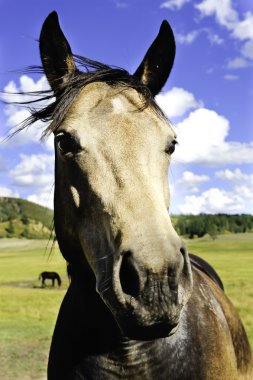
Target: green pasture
[[232, 257], [28, 312]]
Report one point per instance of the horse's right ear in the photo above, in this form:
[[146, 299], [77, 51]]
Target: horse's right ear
[[156, 66], [55, 52]]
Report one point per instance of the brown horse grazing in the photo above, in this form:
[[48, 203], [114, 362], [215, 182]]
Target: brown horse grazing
[[136, 308], [50, 276]]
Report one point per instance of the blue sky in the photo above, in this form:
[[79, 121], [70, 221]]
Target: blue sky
[[208, 96]]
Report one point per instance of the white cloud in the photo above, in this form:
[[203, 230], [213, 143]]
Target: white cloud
[[26, 91], [34, 171], [243, 30], [191, 182], [190, 37], [177, 102], [222, 10], [200, 132], [121, 4], [16, 114], [202, 139], [247, 49], [187, 38], [48, 142], [242, 184], [28, 135], [237, 63], [246, 194], [239, 28], [44, 197], [231, 77], [174, 4], [236, 176], [237, 200], [215, 39], [213, 201], [7, 192]]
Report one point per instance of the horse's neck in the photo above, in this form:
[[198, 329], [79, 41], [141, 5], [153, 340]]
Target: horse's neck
[[128, 359]]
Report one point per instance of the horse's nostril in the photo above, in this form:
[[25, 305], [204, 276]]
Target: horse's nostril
[[129, 277], [183, 251]]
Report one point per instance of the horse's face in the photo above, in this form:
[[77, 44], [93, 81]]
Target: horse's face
[[111, 202], [112, 198]]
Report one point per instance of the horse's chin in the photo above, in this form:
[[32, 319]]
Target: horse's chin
[[146, 333], [137, 322]]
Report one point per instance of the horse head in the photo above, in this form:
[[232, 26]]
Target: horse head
[[113, 146]]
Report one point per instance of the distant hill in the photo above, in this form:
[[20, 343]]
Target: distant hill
[[23, 219]]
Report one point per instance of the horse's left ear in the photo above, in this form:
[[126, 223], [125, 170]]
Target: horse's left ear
[[156, 66], [55, 52]]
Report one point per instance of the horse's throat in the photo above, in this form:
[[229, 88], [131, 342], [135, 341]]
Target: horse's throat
[[129, 360]]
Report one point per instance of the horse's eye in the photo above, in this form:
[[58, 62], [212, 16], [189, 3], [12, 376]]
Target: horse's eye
[[171, 147], [67, 143]]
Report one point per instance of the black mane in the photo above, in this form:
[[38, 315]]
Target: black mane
[[92, 71]]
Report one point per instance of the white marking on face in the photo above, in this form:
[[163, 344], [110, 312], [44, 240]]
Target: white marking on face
[[75, 195], [118, 105]]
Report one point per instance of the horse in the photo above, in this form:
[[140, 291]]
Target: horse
[[49, 276], [136, 307]]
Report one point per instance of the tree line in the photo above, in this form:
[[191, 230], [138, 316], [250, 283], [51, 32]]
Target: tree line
[[202, 224]]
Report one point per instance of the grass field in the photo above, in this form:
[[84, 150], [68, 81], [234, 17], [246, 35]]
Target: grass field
[[28, 312]]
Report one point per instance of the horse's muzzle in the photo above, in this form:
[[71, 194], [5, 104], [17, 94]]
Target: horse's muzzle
[[148, 304]]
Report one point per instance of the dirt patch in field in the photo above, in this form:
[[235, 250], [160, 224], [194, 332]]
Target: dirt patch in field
[[28, 284]]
